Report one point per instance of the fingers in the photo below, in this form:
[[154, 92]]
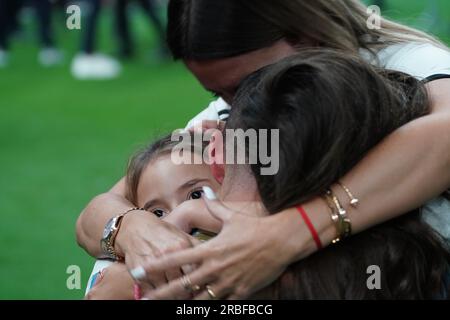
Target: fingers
[[177, 288], [215, 206], [174, 273], [152, 271], [178, 259], [178, 220], [213, 292], [155, 271], [147, 279], [155, 279]]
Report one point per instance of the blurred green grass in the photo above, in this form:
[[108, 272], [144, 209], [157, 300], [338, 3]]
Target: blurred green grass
[[63, 141]]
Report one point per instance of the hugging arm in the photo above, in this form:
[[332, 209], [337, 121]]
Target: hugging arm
[[92, 220], [142, 236], [408, 168]]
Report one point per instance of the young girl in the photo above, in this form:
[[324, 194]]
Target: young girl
[[158, 185]]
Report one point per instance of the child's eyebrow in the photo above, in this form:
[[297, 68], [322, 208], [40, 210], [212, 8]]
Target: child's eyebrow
[[191, 183], [149, 204]]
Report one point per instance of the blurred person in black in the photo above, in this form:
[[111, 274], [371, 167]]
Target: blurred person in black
[[3, 35], [8, 24], [126, 43]]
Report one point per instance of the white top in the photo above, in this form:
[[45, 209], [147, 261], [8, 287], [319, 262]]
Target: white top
[[421, 60]]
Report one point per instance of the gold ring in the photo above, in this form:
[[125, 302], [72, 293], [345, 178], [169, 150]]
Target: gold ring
[[187, 284], [211, 293]]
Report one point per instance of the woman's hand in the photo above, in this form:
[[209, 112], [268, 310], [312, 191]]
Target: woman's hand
[[249, 253], [191, 215], [115, 283], [144, 237]]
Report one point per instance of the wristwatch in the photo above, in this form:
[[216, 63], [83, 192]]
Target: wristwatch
[[109, 237]]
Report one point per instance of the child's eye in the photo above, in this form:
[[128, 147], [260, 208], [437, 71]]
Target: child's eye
[[160, 213], [194, 195]]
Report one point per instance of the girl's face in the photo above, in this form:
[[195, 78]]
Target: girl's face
[[223, 76], [164, 185]]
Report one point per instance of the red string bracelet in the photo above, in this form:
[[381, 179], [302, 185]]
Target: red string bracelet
[[311, 228]]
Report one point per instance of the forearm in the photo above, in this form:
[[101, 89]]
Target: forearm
[[92, 220], [408, 168]]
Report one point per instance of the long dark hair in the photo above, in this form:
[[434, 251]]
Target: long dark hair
[[331, 109], [209, 29]]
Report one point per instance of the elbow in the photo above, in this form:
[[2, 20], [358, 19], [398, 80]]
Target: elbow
[[438, 141], [81, 234], [445, 137], [434, 131]]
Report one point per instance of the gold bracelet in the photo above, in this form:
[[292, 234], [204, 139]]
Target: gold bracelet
[[345, 225], [353, 201], [338, 216], [334, 216]]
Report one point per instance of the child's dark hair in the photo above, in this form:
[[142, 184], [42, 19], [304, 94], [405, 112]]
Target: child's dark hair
[[331, 109]]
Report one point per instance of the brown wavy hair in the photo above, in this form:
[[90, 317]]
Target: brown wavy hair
[[331, 109]]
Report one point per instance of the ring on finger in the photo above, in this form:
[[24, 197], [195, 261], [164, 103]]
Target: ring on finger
[[187, 284], [211, 293]]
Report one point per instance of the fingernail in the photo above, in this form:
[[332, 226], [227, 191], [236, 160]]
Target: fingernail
[[138, 273], [137, 292], [209, 193]]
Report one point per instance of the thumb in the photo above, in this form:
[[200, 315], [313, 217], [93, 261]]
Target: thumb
[[215, 206]]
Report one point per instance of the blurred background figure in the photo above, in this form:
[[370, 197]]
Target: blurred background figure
[[125, 38], [3, 35], [88, 64], [49, 55], [10, 25]]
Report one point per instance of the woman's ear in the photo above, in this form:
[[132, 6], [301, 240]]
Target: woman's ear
[[216, 156]]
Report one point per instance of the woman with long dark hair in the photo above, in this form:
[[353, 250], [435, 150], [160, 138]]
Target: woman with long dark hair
[[330, 110], [222, 42]]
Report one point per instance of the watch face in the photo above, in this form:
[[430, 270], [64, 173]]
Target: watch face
[[108, 227]]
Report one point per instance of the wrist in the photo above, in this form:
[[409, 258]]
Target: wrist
[[123, 235], [299, 242]]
